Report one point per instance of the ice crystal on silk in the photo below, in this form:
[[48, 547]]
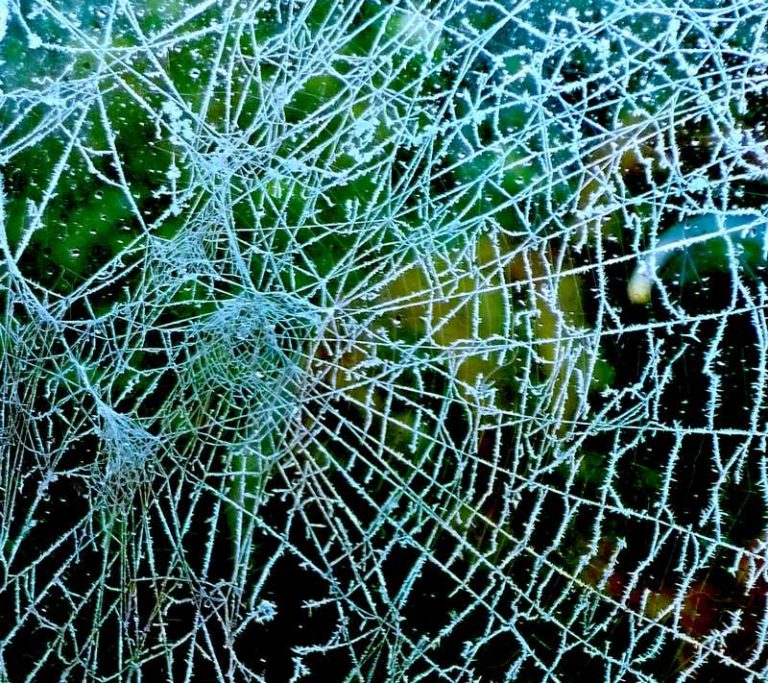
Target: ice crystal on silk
[[374, 341]]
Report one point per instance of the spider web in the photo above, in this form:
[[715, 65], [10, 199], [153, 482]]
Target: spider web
[[318, 360]]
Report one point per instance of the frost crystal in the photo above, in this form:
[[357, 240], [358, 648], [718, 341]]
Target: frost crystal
[[318, 360]]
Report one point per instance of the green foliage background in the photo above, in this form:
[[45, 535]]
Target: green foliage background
[[317, 356]]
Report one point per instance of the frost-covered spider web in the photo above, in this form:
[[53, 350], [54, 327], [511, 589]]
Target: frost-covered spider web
[[318, 361]]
